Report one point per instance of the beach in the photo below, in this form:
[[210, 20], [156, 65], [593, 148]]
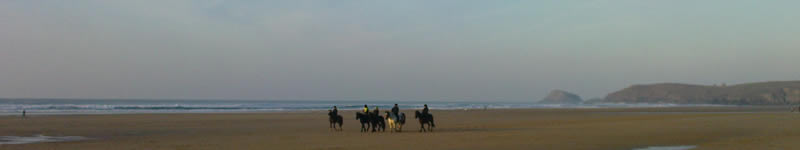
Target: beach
[[566, 128]]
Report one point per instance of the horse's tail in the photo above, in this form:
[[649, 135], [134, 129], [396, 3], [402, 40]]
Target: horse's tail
[[402, 118], [432, 124]]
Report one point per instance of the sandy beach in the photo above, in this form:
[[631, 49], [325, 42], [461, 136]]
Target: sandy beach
[[595, 128]]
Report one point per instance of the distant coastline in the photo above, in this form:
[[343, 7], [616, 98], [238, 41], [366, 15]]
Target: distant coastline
[[760, 93]]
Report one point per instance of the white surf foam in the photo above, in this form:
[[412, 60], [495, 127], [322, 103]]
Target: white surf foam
[[37, 139]]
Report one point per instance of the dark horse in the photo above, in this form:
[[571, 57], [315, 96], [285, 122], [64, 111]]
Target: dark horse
[[365, 120], [424, 119], [377, 122], [334, 119]]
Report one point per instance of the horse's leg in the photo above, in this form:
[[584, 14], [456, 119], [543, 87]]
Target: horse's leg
[[391, 126], [340, 125], [374, 125]]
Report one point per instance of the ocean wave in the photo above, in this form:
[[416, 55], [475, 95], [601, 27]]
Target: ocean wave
[[37, 139], [177, 108]]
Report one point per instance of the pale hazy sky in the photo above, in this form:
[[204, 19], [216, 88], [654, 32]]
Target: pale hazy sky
[[449, 50]]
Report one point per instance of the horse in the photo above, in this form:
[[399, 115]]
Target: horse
[[424, 119], [334, 119], [377, 122], [365, 120], [396, 121]]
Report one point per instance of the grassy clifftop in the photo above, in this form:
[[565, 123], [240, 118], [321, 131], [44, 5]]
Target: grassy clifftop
[[762, 93]]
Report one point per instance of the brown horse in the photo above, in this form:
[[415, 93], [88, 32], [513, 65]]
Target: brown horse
[[378, 124], [365, 121], [335, 119], [423, 120]]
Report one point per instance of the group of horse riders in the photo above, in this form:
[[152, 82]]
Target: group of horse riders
[[424, 117], [395, 110]]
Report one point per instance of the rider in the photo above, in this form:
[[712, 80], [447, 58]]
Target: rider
[[376, 112], [366, 109], [425, 110], [426, 114], [335, 111], [396, 110]]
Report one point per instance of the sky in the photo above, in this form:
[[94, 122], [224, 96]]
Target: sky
[[447, 50]]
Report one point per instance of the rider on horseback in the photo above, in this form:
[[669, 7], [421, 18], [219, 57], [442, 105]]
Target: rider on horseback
[[425, 110], [366, 109], [335, 111], [396, 110], [428, 115]]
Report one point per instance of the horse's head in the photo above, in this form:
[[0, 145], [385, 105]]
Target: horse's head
[[416, 114]]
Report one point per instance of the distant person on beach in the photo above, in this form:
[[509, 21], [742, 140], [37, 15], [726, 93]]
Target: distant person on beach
[[366, 109], [335, 111], [396, 110]]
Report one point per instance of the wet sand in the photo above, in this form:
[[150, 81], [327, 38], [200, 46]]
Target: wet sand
[[704, 127]]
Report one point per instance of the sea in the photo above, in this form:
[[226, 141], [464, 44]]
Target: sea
[[117, 106]]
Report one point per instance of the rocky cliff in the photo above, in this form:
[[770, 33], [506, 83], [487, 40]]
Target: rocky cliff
[[561, 97], [763, 93]]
